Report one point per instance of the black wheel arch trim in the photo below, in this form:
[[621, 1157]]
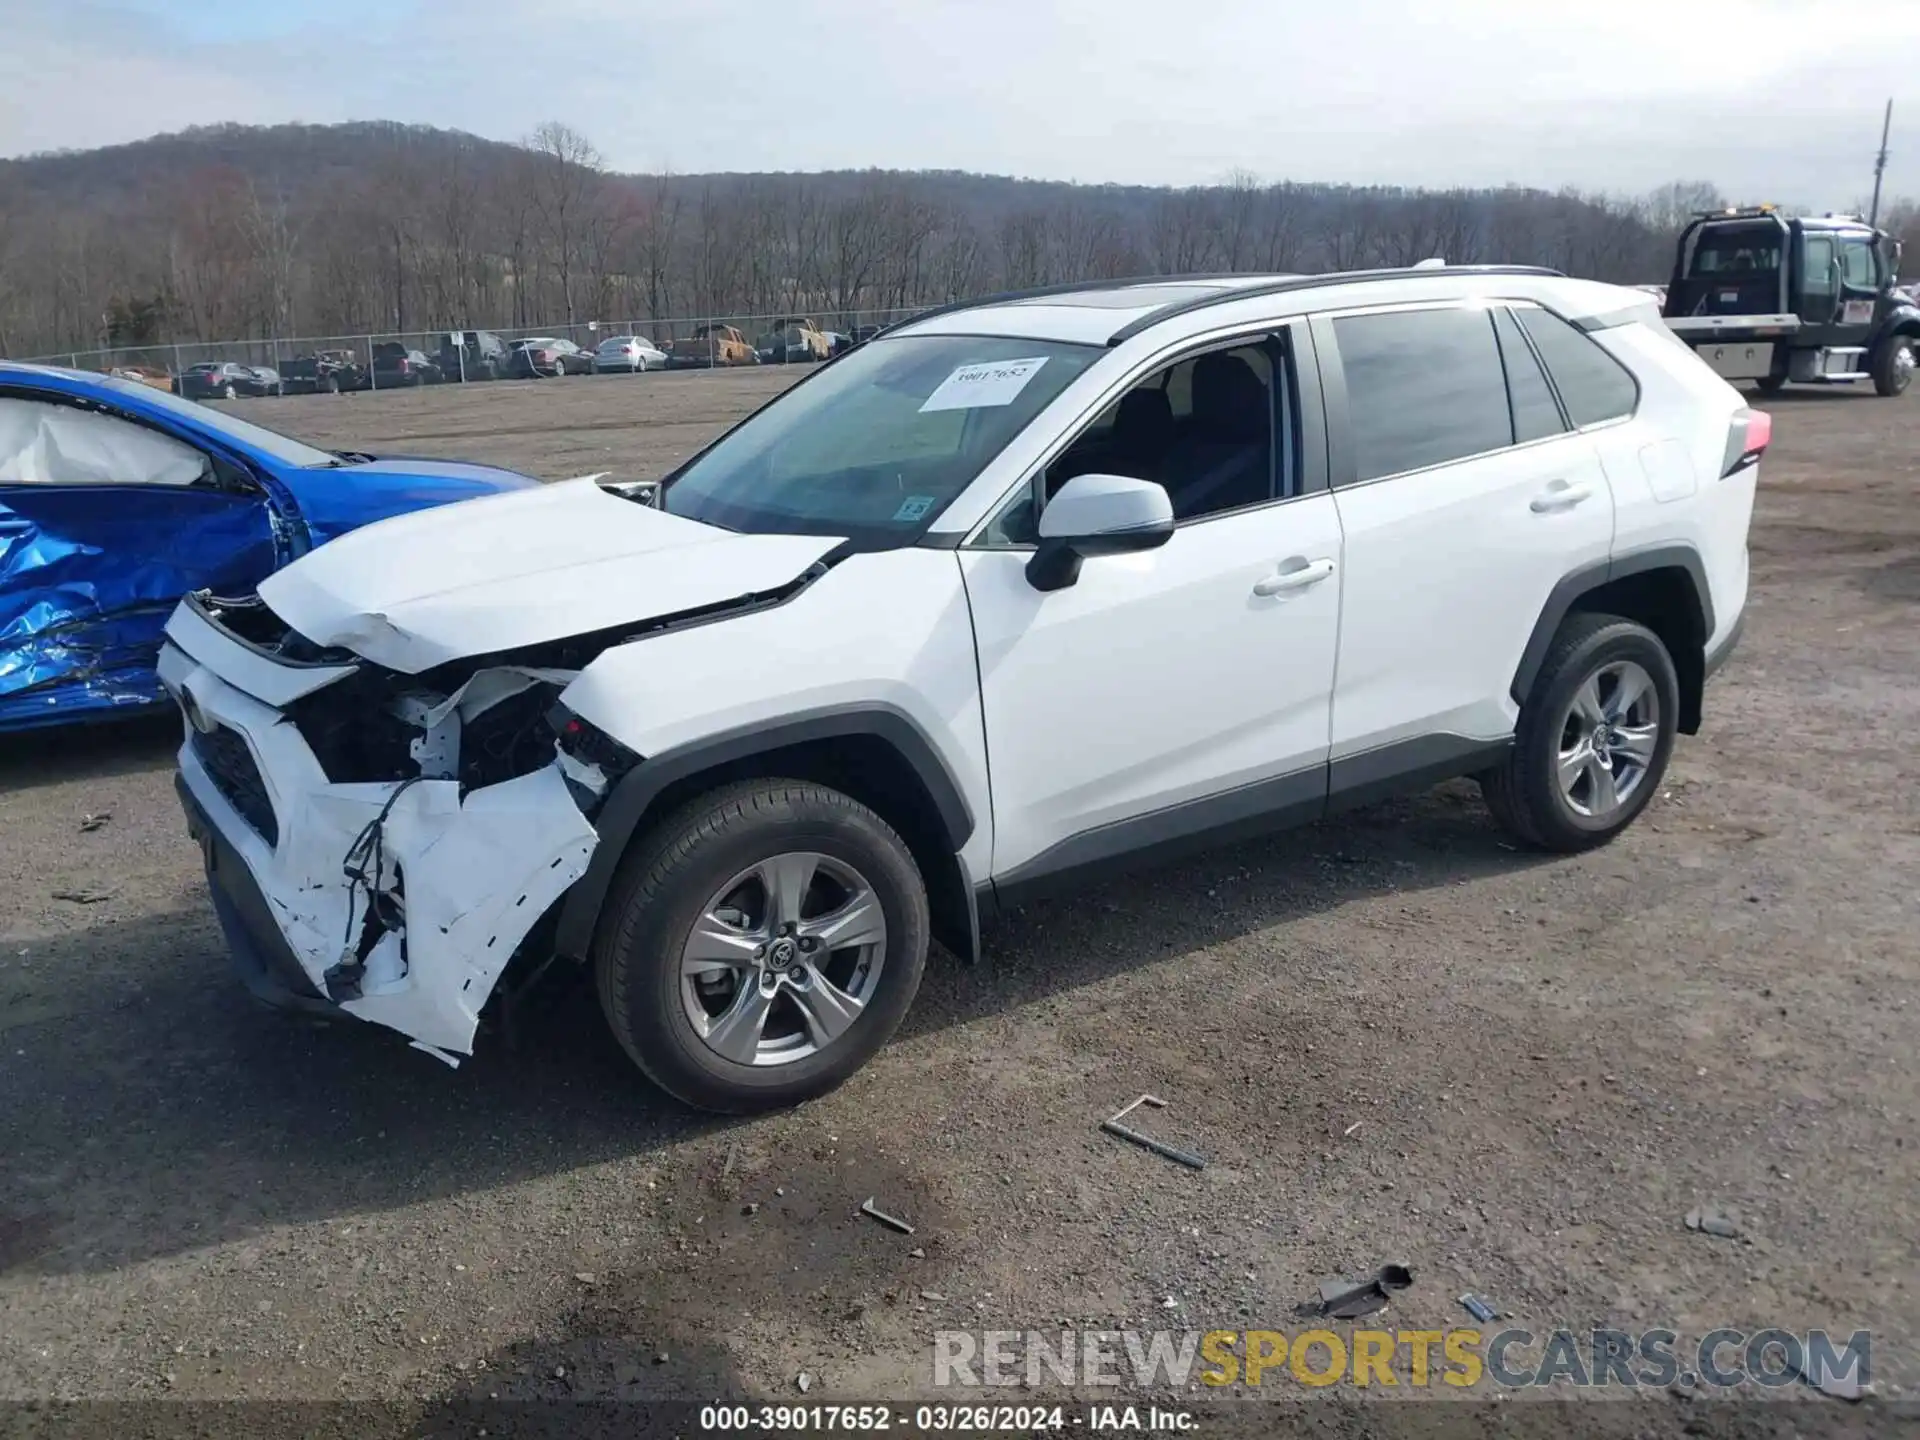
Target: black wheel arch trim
[[1561, 600], [626, 806], [1901, 320]]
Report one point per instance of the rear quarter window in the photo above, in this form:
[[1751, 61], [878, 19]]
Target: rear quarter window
[[1593, 385]]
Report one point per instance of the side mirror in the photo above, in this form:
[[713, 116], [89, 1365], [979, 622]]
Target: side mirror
[[1097, 515]]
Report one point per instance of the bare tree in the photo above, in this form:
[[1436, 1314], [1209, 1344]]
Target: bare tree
[[566, 181]]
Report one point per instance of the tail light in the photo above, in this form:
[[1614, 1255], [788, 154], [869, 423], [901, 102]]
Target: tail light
[[1747, 439]]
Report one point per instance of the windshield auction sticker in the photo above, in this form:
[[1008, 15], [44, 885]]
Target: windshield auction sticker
[[989, 383]]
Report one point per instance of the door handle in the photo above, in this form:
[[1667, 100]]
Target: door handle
[[1297, 578], [1560, 495]]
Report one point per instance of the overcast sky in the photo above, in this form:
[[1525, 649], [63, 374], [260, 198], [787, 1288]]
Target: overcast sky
[[1770, 99]]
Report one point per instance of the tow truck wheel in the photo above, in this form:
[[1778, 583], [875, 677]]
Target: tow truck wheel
[[1893, 366]]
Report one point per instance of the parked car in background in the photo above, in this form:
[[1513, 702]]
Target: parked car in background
[[544, 355], [627, 355], [480, 355], [793, 341], [836, 342], [394, 365], [144, 374], [328, 371], [117, 498], [864, 333], [224, 380], [710, 345]]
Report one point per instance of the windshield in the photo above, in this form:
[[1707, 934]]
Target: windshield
[[877, 444], [277, 447]]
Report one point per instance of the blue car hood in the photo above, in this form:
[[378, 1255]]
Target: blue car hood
[[338, 500]]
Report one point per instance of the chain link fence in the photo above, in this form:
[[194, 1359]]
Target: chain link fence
[[404, 359]]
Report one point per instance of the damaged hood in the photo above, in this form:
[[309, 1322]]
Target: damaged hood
[[521, 568]]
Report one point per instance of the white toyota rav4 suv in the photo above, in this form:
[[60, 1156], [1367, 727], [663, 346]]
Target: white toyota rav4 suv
[[1018, 591]]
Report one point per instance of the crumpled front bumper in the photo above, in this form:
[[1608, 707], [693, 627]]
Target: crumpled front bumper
[[469, 875]]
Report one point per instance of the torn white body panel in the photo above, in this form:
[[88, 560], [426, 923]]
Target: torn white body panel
[[264, 678], [465, 879], [521, 568]]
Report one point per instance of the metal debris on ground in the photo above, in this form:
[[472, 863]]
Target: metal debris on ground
[[1848, 1386], [1113, 1126], [1711, 1220], [1348, 1132], [868, 1208], [1479, 1308], [804, 1381], [90, 823], [1350, 1299], [86, 895]]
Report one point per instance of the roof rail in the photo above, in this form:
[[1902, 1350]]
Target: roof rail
[[1072, 287], [1313, 282]]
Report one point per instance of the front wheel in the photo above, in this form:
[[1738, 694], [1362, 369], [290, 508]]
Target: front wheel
[[1893, 366], [761, 945], [1594, 737]]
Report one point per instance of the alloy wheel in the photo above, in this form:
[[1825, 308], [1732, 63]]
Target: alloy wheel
[[1609, 737], [783, 959]]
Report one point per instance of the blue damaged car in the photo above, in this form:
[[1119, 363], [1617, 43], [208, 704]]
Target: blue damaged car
[[116, 499]]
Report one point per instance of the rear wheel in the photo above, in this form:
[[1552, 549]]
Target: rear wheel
[[228, 392], [1771, 384], [761, 945], [1893, 366], [1594, 737]]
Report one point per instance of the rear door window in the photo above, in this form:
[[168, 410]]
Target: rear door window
[[1424, 387], [1593, 385]]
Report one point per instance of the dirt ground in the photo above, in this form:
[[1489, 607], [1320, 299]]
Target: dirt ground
[[1393, 1037]]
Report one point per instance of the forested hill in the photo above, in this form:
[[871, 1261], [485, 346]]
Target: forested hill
[[232, 232]]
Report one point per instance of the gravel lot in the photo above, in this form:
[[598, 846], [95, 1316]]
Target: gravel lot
[[1393, 1037]]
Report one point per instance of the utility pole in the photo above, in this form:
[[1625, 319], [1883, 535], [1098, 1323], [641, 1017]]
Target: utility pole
[[1880, 164]]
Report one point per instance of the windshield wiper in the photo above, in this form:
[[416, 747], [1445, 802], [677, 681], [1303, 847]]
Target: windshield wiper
[[351, 457]]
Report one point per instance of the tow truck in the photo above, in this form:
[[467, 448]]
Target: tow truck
[[1769, 300]]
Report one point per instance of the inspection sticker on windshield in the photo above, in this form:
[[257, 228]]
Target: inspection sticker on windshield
[[988, 383], [913, 507]]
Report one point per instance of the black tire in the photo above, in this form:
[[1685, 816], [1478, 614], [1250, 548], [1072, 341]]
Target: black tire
[[1524, 792], [671, 873], [228, 392], [1771, 384], [331, 384], [1890, 376]]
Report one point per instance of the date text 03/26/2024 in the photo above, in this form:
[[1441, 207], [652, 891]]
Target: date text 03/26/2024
[[943, 1419]]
